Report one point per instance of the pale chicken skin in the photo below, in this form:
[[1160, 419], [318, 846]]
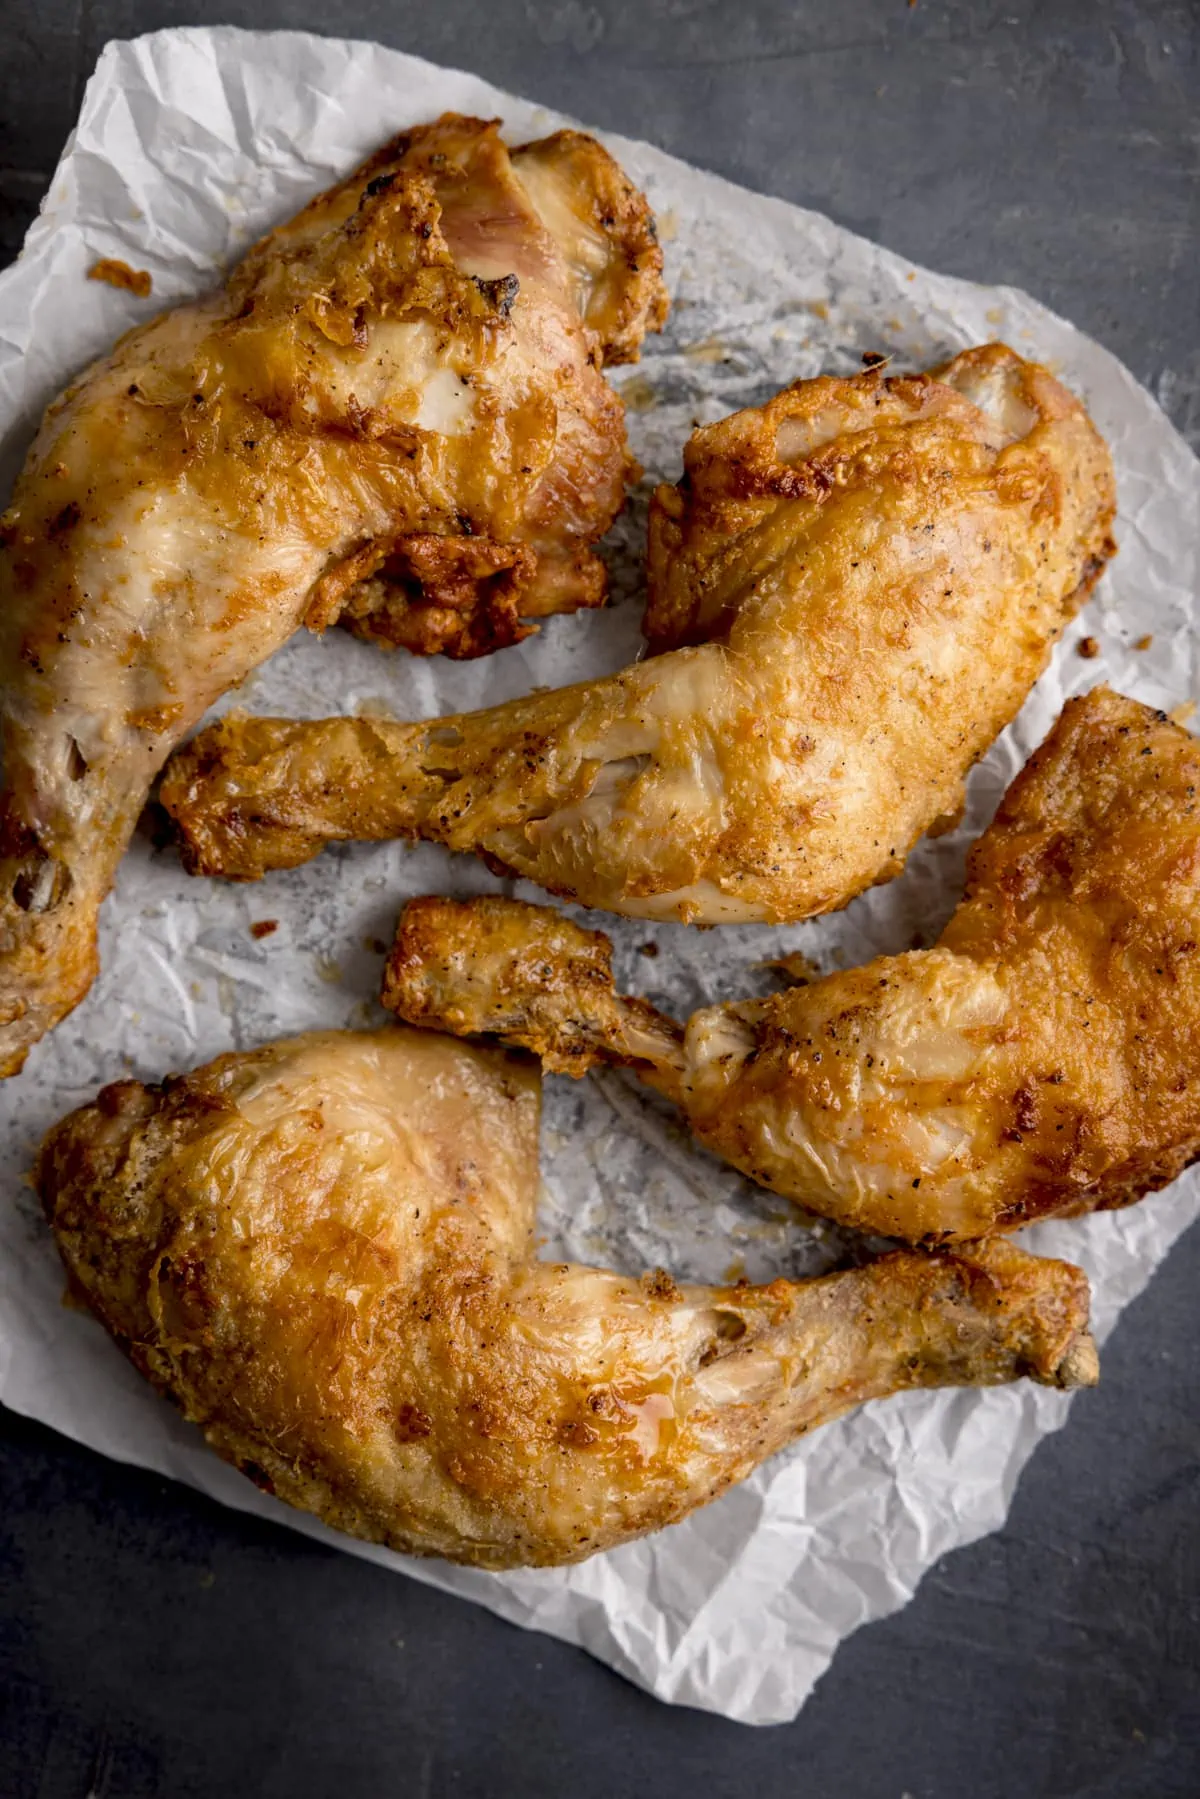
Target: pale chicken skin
[[322, 1250], [853, 588], [1043, 1059], [393, 413]]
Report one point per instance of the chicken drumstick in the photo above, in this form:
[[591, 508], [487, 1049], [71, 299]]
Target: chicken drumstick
[[856, 585], [393, 412], [1044, 1058], [323, 1251]]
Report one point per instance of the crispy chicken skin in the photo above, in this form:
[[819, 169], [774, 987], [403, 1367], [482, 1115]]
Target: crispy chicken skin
[[394, 412], [1043, 1059], [322, 1250], [854, 588]]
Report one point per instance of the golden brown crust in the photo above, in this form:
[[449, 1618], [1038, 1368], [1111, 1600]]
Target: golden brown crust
[[453, 596], [909, 440], [853, 589], [525, 973], [321, 1251], [399, 379], [1091, 872]]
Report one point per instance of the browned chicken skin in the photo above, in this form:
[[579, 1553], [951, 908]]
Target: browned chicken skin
[[322, 1250], [1044, 1058], [855, 587], [394, 413]]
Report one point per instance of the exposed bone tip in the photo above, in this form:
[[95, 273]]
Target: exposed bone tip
[[1080, 1367]]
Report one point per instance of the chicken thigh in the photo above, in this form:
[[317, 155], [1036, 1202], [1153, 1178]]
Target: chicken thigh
[[1044, 1058], [322, 1250], [393, 412], [854, 588]]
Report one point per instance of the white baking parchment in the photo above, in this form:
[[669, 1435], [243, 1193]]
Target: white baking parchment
[[190, 143]]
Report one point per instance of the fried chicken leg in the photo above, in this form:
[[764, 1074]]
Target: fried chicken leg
[[1044, 1058], [322, 1251], [855, 587], [393, 413]]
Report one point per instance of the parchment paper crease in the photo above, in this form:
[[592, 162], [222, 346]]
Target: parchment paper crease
[[189, 144]]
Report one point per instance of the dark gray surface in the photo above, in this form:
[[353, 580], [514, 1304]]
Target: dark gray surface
[[151, 1644]]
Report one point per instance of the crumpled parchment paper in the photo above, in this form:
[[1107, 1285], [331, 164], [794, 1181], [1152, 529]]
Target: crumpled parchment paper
[[189, 144]]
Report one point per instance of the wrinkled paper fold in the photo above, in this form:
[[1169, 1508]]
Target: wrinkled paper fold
[[192, 142]]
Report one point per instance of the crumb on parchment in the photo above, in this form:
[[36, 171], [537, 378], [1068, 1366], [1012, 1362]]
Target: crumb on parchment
[[1087, 647], [795, 967], [639, 394], [119, 274], [263, 927]]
